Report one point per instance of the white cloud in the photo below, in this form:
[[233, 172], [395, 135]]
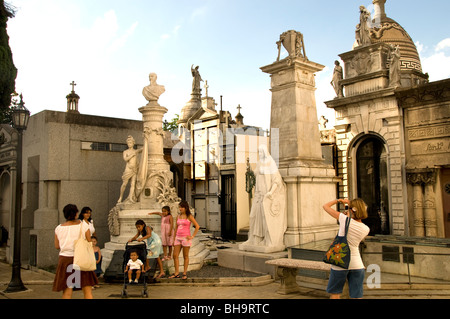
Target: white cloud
[[437, 65], [173, 33], [50, 53], [198, 12], [121, 41], [443, 45], [419, 46]]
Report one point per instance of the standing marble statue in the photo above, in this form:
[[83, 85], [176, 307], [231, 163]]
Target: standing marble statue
[[336, 81], [268, 217], [196, 80], [363, 28], [133, 169], [394, 68]]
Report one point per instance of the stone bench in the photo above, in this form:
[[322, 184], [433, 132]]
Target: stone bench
[[287, 270]]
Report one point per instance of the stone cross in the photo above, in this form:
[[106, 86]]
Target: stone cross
[[206, 88], [323, 123], [73, 86], [239, 108]]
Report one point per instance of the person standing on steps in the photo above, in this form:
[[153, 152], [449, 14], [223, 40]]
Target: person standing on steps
[[357, 231], [183, 238]]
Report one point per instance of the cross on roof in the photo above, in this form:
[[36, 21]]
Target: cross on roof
[[239, 108], [73, 86], [206, 88]]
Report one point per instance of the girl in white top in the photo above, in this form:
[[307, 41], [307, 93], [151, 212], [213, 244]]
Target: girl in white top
[[86, 216], [357, 231]]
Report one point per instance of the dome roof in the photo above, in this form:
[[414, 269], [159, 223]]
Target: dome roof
[[390, 32]]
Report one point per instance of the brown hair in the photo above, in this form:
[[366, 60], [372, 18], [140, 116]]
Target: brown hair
[[166, 208], [185, 204], [358, 207], [70, 211]]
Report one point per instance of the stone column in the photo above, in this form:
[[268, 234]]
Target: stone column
[[152, 116], [309, 181], [46, 218], [419, 226], [294, 111], [424, 207], [430, 210]]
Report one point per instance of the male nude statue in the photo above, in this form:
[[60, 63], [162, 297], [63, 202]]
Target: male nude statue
[[131, 169]]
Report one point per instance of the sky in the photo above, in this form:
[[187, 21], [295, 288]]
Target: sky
[[109, 48]]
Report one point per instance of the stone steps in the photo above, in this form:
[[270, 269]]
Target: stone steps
[[197, 254]]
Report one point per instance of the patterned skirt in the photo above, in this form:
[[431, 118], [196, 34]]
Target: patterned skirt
[[68, 277]]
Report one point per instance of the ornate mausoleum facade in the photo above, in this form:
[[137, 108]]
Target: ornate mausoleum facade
[[392, 132]]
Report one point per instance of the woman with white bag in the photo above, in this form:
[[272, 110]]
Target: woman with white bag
[[68, 276]]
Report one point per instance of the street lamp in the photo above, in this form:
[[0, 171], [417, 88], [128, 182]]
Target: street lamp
[[20, 116]]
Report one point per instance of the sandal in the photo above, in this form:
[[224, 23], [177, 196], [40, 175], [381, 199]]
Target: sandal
[[175, 276], [161, 276], [184, 277]]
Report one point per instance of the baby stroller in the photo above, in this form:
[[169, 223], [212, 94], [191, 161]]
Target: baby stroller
[[141, 249]]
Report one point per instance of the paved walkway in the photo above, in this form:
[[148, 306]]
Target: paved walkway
[[39, 284]]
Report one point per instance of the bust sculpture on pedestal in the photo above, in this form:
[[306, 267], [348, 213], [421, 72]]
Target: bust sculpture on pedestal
[[149, 174], [153, 91]]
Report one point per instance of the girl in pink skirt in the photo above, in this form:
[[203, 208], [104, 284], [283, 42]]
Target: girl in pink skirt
[[166, 231]]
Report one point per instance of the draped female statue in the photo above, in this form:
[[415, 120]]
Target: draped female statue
[[268, 217]]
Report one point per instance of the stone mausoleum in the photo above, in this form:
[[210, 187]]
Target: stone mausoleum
[[392, 132]]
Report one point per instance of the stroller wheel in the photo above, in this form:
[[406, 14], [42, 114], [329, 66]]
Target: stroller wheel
[[124, 294]]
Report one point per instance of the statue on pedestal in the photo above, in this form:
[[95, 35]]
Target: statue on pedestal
[[153, 91], [196, 80], [293, 43], [268, 218], [394, 68], [337, 78], [363, 28], [133, 172]]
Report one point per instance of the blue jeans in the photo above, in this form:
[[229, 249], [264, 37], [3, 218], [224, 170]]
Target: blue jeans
[[355, 282]]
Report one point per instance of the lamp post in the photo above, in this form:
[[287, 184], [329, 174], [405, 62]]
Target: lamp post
[[20, 116]]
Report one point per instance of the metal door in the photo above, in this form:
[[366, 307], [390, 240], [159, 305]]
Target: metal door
[[228, 207], [445, 178]]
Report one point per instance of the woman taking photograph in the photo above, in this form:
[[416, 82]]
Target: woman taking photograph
[[67, 278], [357, 231], [183, 238]]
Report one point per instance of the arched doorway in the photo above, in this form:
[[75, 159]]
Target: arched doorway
[[5, 204], [372, 182]]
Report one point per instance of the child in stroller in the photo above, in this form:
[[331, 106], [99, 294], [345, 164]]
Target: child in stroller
[[134, 259], [134, 265]]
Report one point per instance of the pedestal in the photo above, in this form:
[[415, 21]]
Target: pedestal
[[310, 182]]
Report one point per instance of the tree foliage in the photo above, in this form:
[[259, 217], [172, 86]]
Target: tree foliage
[[171, 126], [8, 71]]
